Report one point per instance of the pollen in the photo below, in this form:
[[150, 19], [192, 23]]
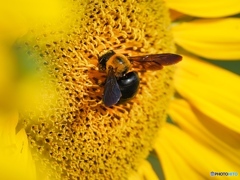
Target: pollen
[[72, 134]]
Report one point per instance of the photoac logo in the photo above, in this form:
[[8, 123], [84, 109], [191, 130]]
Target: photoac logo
[[212, 173], [223, 173]]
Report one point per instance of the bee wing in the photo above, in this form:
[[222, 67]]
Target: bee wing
[[154, 61], [111, 93]]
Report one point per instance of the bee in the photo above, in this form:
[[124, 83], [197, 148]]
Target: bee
[[122, 85]]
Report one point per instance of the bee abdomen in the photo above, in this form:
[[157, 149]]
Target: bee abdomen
[[128, 85]]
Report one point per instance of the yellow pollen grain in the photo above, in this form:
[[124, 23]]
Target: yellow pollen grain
[[80, 138]]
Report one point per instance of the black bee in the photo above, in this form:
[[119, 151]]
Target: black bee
[[122, 85]]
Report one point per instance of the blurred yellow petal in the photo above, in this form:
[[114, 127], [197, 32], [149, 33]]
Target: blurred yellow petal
[[197, 157], [205, 130], [15, 157], [17, 17], [214, 39], [9, 31], [7, 78], [37, 11], [212, 90], [23, 159], [205, 8], [145, 172], [8, 122], [12, 27]]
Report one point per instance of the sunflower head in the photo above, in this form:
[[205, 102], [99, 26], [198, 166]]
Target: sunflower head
[[71, 132]]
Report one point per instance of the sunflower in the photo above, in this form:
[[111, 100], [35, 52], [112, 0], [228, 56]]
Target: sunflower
[[55, 126]]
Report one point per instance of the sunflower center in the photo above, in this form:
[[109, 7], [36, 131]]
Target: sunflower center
[[70, 130]]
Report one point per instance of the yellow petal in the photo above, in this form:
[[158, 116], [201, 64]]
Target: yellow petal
[[23, 158], [33, 10], [205, 8], [8, 123], [145, 172], [135, 176], [212, 90], [17, 17], [15, 157], [200, 158], [12, 25], [7, 77], [214, 39], [205, 131], [174, 166]]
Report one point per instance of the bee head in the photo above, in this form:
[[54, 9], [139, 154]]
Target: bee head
[[102, 60]]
